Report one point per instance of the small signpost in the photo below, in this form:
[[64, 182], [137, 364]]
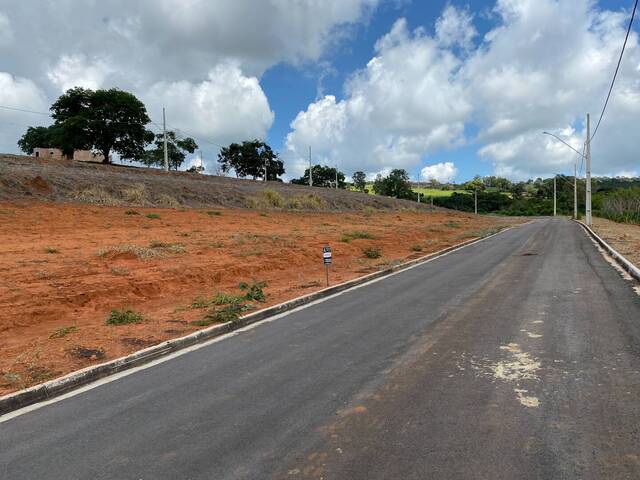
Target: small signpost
[[327, 256]]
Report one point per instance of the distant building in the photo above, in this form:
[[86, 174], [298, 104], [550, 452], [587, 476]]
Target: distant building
[[78, 155]]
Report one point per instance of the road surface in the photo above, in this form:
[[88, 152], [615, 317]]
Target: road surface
[[515, 358]]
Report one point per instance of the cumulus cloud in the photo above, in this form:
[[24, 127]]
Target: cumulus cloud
[[406, 102], [227, 106], [444, 172], [79, 71], [543, 66]]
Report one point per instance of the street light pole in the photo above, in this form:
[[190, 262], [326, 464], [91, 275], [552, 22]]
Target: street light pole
[[588, 167], [575, 191], [554, 194]]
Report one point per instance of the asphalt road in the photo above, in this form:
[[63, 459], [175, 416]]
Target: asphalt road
[[515, 358]]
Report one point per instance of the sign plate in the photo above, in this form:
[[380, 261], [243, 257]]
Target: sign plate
[[327, 255]]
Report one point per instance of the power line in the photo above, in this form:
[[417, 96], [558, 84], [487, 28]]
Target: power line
[[5, 107], [613, 81]]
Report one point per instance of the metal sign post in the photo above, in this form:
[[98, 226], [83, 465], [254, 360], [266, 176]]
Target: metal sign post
[[327, 256]]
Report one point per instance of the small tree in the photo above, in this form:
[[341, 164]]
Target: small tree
[[176, 151], [251, 159], [476, 185], [360, 180], [323, 176], [396, 184]]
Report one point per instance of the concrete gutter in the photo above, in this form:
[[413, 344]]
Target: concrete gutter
[[62, 385], [626, 265]]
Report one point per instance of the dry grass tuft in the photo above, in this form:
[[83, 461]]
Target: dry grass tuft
[[136, 194], [95, 196]]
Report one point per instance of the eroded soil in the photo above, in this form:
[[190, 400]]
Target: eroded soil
[[65, 267]]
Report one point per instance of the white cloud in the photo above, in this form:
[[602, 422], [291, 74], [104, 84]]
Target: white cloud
[[406, 102], [225, 107], [79, 71], [24, 94], [442, 172], [455, 28]]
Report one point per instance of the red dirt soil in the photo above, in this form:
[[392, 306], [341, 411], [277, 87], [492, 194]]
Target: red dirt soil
[[52, 274]]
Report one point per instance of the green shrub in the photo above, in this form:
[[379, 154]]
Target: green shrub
[[118, 317], [131, 212], [152, 215], [360, 234], [372, 252], [416, 248], [51, 250], [254, 291], [214, 213]]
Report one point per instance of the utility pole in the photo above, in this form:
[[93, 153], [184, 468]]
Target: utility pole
[[336, 176], [575, 191], [555, 176], [310, 169], [164, 134], [265, 169], [418, 185], [588, 166], [475, 198]]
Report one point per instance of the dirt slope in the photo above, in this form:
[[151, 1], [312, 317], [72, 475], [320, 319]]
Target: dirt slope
[[27, 177]]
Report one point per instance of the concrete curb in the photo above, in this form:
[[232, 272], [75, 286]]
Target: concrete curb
[[79, 378], [626, 265]]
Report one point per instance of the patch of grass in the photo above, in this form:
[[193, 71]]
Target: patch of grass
[[126, 317], [131, 212], [167, 201], [372, 252], [120, 271], [310, 201], [136, 194], [266, 199], [416, 248], [182, 234], [63, 332], [359, 234], [156, 249], [94, 196], [263, 214], [214, 213], [152, 215], [452, 224], [51, 250], [254, 290]]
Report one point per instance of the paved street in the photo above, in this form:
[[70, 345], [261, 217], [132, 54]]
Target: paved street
[[515, 358]]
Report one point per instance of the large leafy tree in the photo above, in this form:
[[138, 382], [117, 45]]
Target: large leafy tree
[[360, 180], [107, 121], [250, 159], [322, 176], [177, 150], [396, 184]]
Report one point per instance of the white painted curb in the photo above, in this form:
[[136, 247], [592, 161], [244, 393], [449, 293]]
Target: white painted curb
[[618, 257]]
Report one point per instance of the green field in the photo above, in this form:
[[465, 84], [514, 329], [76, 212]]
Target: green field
[[427, 192], [434, 192]]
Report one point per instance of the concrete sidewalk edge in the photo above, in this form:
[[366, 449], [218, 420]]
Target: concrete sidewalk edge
[[53, 388], [626, 265]]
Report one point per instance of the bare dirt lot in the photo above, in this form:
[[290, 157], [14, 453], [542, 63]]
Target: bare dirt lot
[[64, 267], [624, 237]]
